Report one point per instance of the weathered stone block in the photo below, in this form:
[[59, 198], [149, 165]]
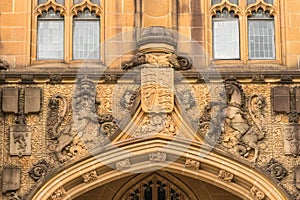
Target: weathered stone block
[[281, 99], [20, 140], [11, 178], [32, 100], [297, 177], [10, 99]]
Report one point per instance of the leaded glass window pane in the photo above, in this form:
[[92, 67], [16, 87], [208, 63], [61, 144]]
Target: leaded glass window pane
[[86, 34], [226, 38], [96, 2], [77, 1], [42, 1], [261, 39], [213, 2], [50, 40], [254, 1], [60, 2]]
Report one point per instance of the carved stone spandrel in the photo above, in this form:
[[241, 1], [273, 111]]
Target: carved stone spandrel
[[32, 100], [20, 140], [193, 164], [10, 100], [297, 177], [281, 99], [11, 178], [158, 156]]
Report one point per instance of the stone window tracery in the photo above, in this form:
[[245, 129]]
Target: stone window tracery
[[245, 31], [67, 30]]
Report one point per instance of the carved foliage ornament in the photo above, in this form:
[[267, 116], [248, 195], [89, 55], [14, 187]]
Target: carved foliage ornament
[[225, 176], [276, 169], [39, 170], [190, 163], [58, 194], [158, 156], [159, 60], [90, 176], [123, 164], [257, 193]]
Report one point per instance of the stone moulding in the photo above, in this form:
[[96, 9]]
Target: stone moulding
[[72, 174]]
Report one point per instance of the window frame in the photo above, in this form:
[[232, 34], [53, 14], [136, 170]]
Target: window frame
[[243, 11], [68, 10]]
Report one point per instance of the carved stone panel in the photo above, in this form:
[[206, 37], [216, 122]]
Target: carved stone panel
[[10, 97], [20, 140], [11, 178], [297, 94], [194, 164], [291, 139], [297, 177], [281, 99], [157, 90], [158, 156], [32, 100]]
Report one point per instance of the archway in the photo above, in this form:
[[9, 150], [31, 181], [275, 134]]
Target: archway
[[216, 168]]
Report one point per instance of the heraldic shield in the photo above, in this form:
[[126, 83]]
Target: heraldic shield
[[157, 90]]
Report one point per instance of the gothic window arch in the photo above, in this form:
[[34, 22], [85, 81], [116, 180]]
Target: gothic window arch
[[251, 30], [67, 30]]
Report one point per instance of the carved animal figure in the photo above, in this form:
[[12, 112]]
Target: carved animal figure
[[246, 138]]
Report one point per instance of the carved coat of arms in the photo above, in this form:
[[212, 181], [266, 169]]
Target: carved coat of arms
[[157, 91]]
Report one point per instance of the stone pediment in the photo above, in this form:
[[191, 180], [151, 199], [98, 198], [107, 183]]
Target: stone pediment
[[172, 125]]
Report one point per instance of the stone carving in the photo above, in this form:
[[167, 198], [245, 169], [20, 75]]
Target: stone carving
[[39, 170], [128, 99], [90, 176], [159, 59], [14, 196], [87, 130], [58, 194], [257, 193], [158, 156], [292, 139], [123, 164], [297, 177], [55, 78], [110, 78], [276, 169], [156, 123], [11, 179], [243, 136], [187, 101], [20, 138], [10, 98], [295, 196], [32, 100], [4, 65], [157, 90], [225, 176], [194, 164]]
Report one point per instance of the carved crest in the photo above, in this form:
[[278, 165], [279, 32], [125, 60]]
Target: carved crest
[[292, 139], [20, 140], [157, 90]]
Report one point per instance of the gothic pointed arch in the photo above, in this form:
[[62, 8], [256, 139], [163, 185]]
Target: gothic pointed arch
[[225, 4], [87, 4], [48, 5], [261, 4]]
